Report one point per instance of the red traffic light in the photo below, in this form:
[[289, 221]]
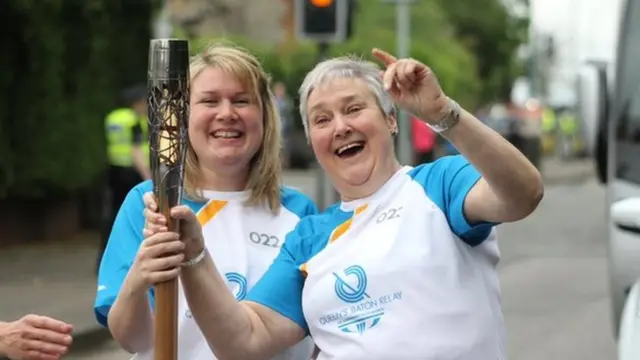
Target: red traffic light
[[322, 3]]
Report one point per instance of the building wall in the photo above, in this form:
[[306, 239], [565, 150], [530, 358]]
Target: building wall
[[582, 30], [260, 20]]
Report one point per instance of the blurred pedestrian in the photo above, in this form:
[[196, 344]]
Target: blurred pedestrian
[[233, 182], [568, 134], [549, 129], [127, 152], [424, 141], [35, 337]]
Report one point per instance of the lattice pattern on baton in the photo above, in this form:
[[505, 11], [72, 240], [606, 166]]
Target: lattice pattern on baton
[[168, 111], [168, 127]]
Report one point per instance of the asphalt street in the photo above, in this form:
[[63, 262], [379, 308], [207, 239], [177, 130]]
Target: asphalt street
[[554, 278], [553, 274]]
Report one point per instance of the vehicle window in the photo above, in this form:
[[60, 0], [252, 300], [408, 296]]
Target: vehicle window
[[627, 98]]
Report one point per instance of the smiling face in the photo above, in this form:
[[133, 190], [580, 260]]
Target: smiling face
[[351, 136], [225, 123]]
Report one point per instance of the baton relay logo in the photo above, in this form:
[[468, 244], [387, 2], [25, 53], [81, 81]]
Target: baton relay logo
[[365, 311], [237, 285], [352, 294]]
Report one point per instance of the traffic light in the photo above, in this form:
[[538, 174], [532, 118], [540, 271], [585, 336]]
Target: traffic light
[[324, 21]]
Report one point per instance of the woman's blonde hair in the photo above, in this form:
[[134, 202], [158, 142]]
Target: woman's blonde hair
[[265, 167]]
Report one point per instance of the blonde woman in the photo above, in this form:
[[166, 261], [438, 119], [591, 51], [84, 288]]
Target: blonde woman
[[233, 188]]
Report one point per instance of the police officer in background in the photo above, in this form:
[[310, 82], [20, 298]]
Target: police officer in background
[[127, 151]]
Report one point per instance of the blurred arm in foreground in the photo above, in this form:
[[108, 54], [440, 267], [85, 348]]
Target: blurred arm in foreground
[[34, 337]]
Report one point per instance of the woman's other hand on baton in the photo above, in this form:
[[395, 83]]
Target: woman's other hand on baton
[[190, 228], [158, 259]]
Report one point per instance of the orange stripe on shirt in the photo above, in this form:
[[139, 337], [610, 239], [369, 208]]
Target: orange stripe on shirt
[[342, 228], [339, 231], [210, 210]]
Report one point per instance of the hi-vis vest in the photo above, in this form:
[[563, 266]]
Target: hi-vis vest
[[548, 120], [568, 124], [119, 125]]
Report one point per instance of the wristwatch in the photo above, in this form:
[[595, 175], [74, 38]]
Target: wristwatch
[[448, 121]]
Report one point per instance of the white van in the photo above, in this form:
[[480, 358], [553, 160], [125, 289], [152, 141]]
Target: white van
[[617, 154]]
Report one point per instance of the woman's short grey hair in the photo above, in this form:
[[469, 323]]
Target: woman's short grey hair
[[345, 67]]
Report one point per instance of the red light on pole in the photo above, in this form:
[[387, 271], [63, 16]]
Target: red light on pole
[[322, 3]]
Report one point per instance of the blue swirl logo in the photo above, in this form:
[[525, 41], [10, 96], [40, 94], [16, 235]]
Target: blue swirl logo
[[237, 284], [363, 312], [352, 293]]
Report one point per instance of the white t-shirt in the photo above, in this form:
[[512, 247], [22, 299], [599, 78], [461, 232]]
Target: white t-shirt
[[398, 275], [242, 240]]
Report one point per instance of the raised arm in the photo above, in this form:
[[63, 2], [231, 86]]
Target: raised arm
[[510, 187]]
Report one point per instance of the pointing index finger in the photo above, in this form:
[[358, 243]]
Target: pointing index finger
[[386, 58]]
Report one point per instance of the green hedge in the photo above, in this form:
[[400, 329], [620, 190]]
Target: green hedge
[[64, 64]]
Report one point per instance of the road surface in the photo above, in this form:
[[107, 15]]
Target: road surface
[[554, 279]]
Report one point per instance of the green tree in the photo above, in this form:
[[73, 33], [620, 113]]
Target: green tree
[[67, 61], [432, 42], [493, 36]]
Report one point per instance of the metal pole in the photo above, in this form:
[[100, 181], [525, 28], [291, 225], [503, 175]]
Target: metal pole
[[326, 193], [403, 33]]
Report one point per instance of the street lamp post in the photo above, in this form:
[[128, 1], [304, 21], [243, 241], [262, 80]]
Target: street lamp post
[[403, 43], [327, 194]]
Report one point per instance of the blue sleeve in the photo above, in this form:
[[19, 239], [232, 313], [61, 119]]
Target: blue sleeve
[[447, 181], [120, 252], [297, 202], [280, 288]]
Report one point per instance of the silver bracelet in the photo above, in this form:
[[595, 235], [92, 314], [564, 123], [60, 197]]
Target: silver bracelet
[[448, 121], [195, 260]]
